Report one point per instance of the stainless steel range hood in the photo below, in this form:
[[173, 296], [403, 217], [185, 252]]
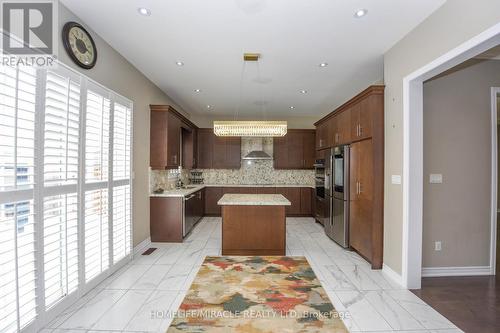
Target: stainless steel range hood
[[255, 148], [257, 155]]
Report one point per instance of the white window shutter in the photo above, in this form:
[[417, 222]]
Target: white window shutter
[[60, 247], [96, 233], [62, 112], [97, 137]]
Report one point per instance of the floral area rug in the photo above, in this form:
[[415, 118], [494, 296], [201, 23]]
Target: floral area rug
[[254, 295]]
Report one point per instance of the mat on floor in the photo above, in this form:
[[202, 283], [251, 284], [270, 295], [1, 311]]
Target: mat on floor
[[256, 294]]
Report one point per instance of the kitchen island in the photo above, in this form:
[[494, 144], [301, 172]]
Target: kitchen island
[[253, 224]]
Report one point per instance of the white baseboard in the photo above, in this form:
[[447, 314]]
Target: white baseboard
[[392, 274], [456, 271], [142, 246]]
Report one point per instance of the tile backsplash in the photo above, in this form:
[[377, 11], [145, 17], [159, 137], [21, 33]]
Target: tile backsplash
[[251, 171], [258, 172]]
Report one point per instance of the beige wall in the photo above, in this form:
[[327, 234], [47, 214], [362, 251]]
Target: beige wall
[[457, 144], [116, 73], [293, 122], [454, 23]]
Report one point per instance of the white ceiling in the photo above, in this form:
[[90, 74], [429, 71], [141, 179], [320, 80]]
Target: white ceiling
[[293, 37]]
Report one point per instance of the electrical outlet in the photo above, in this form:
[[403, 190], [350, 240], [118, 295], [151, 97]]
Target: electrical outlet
[[436, 178], [396, 179], [437, 246]]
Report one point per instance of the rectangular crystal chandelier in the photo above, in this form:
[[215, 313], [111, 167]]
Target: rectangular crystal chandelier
[[250, 128]]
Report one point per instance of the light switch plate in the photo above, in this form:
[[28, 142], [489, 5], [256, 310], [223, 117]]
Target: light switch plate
[[437, 246], [436, 178], [396, 179]]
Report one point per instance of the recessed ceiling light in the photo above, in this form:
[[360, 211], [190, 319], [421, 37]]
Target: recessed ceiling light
[[360, 13], [303, 91], [209, 106], [179, 63], [292, 107], [197, 90], [144, 11], [323, 64]]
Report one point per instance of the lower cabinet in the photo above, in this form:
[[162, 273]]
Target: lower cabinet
[[165, 219], [212, 195], [300, 198], [167, 216]]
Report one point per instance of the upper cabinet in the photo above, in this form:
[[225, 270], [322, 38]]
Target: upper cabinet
[[351, 122], [205, 143], [170, 134], [295, 150], [322, 135], [215, 152]]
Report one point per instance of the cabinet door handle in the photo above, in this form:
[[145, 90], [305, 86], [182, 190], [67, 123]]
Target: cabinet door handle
[[357, 188], [357, 130], [360, 187]]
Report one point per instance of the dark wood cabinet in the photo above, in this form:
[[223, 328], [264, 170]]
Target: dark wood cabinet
[[189, 147], [173, 141], [205, 148], [362, 119], [342, 128], [300, 198], [215, 152], [322, 135], [295, 150], [361, 204], [293, 195], [212, 196], [360, 122], [305, 201], [233, 153], [165, 219], [265, 190], [168, 128], [308, 151]]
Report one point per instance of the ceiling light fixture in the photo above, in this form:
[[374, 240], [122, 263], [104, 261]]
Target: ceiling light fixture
[[197, 90], [144, 11], [323, 64], [303, 91], [253, 128], [209, 106], [292, 107], [179, 63], [360, 13]]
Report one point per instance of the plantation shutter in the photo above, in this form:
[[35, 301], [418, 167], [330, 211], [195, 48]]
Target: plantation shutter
[[65, 215], [97, 140], [60, 202], [17, 228]]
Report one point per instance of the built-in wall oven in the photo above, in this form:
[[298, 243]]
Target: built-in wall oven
[[319, 174], [320, 199]]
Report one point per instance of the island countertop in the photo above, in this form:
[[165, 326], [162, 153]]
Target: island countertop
[[253, 200]]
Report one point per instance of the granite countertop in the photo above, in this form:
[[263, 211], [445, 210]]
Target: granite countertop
[[253, 200], [195, 188]]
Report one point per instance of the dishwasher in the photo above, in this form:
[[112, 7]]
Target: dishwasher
[[193, 211]]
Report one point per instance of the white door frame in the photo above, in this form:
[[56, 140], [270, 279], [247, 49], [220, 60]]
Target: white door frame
[[413, 147], [495, 91]]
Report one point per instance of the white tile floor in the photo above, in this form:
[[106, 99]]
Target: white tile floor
[[158, 282]]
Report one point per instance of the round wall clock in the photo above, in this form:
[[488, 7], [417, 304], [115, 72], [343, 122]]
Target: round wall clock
[[79, 45]]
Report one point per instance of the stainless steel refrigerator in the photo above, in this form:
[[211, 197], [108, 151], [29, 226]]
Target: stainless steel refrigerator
[[337, 194]]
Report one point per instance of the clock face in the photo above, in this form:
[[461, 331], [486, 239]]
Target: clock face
[[79, 45]]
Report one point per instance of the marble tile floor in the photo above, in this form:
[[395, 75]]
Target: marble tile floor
[[140, 296]]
